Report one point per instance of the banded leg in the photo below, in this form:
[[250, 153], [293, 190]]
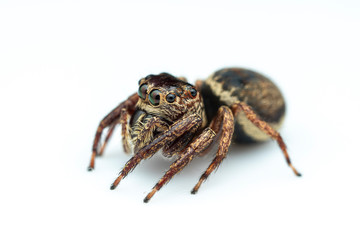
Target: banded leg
[[176, 130], [265, 127], [222, 124], [109, 120], [194, 148]]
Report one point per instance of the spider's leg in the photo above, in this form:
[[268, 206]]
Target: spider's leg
[[108, 136], [196, 146], [124, 122], [222, 124], [109, 120], [173, 148], [265, 127], [176, 130]]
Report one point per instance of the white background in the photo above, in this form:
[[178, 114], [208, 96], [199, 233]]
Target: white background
[[65, 64]]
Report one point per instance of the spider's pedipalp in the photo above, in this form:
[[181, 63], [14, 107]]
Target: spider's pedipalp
[[146, 133]]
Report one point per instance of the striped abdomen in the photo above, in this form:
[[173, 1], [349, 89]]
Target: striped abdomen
[[229, 85]]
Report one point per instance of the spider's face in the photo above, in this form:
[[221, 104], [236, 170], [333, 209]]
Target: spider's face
[[168, 97]]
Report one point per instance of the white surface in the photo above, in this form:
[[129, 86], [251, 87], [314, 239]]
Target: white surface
[[63, 66]]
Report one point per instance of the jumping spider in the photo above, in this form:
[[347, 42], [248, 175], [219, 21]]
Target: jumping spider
[[183, 120]]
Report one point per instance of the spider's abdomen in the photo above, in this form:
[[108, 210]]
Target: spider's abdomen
[[229, 85]]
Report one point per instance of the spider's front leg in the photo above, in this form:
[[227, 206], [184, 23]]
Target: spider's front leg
[[197, 145], [175, 131], [171, 149], [119, 115], [223, 124]]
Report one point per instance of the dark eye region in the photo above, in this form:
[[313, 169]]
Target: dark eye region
[[154, 97], [142, 91], [193, 92], [170, 98]]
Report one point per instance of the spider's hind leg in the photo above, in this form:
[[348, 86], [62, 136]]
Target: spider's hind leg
[[266, 128]]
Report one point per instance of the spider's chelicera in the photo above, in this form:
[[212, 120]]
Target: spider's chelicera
[[182, 120]]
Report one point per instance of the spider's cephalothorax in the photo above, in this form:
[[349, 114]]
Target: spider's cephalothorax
[[163, 99], [182, 120]]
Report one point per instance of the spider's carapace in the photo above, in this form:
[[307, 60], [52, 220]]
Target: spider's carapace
[[182, 120]]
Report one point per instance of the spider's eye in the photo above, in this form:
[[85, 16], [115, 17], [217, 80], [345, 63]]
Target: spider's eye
[[193, 92], [154, 97], [142, 91], [170, 98]]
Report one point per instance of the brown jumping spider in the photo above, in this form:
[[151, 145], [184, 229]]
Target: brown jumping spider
[[183, 120]]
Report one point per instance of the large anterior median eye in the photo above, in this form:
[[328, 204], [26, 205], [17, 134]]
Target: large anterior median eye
[[154, 97], [142, 91]]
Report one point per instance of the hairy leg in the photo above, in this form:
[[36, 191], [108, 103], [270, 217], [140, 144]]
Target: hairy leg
[[176, 130], [265, 127], [222, 124], [110, 119], [196, 146], [173, 148]]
